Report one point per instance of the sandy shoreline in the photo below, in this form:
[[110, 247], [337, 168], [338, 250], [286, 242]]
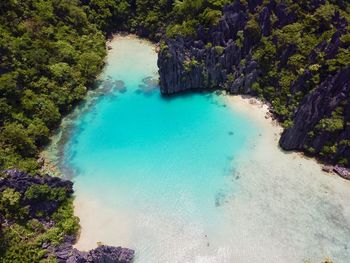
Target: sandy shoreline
[[286, 197], [256, 110]]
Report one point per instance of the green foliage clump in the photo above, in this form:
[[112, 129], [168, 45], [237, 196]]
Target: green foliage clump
[[334, 123], [186, 15], [10, 205], [190, 64], [22, 238], [219, 50], [187, 28], [50, 53], [253, 30], [45, 192]]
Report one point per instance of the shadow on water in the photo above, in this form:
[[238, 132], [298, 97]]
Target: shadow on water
[[212, 95], [192, 92]]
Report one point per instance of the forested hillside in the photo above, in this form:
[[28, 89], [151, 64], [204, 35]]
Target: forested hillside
[[50, 54]]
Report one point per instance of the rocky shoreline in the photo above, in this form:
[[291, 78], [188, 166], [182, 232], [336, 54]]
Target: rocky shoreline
[[66, 253], [216, 59], [41, 208]]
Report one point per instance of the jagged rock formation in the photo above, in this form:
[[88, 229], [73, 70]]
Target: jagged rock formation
[[21, 182], [221, 57], [324, 100], [187, 64], [65, 253]]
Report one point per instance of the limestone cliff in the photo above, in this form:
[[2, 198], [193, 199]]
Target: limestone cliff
[[307, 96]]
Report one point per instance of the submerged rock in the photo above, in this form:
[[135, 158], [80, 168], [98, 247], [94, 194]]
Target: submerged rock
[[148, 86], [119, 85]]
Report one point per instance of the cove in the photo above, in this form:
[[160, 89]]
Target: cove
[[164, 162], [193, 178]]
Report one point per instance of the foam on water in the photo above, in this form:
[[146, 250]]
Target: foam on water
[[169, 177]]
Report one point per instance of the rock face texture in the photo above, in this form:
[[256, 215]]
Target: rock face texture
[[325, 99], [102, 254], [21, 182], [189, 64], [221, 57]]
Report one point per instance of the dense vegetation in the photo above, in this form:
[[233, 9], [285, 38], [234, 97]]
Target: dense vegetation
[[50, 53]]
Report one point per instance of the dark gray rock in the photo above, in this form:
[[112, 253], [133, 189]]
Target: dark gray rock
[[107, 254], [186, 64], [319, 104], [265, 22], [21, 181], [102, 254], [253, 4]]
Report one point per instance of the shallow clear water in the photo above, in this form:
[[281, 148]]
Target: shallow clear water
[[137, 151], [190, 179]]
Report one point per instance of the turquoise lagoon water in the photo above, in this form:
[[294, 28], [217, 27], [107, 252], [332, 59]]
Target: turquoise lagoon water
[[189, 179], [139, 152]]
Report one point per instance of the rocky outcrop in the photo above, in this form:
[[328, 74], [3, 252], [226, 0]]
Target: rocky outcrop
[[189, 64], [22, 183], [221, 58], [331, 95], [65, 253]]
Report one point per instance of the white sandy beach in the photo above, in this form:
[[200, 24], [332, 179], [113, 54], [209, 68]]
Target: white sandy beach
[[288, 210]]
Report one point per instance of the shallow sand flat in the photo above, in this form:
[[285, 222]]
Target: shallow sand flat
[[287, 209]]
